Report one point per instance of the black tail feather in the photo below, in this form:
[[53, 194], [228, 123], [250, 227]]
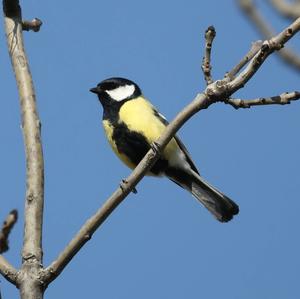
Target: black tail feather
[[222, 207]]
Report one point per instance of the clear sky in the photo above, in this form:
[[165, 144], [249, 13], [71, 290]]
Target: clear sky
[[159, 243]]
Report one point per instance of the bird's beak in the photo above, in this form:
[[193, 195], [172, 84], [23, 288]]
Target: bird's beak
[[94, 90]]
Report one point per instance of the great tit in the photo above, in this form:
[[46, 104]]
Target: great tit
[[132, 124]]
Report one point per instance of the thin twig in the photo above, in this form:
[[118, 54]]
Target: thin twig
[[8, 224], [288, 55], [268, 47], [288, 9], [34, 25], [217, 91], [210, 34], [282, 99], [32, 245], [253, 50]]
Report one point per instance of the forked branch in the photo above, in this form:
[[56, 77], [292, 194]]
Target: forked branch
[[32, 278], [217, 91], [249, 8]]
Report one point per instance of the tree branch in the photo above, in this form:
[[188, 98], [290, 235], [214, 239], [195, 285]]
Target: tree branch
[[288, 55], [253, 50], [8, 224], [287, 9], [32, 279], [8, 271], [85, 233], [210, 34], [218, 91], [282, 99], [32, 246]]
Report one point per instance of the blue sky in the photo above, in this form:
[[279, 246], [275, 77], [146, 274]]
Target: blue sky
[[159, 243]]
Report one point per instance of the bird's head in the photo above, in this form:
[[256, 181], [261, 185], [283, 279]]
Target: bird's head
[[116, 90]]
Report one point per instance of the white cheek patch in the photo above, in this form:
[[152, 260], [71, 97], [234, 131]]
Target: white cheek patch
[[121, 93]]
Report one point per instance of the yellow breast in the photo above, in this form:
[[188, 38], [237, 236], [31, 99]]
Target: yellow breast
[[138, 116]]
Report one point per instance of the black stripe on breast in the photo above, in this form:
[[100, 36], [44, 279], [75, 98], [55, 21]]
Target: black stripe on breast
[[135, 146]]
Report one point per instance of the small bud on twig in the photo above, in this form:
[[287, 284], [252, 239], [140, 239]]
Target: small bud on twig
[[34, 25]]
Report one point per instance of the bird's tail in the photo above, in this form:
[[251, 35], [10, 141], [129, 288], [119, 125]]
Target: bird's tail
[[222, 207]]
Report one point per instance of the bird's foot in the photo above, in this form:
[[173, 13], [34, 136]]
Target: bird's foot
[[123, 186], [155, 147]]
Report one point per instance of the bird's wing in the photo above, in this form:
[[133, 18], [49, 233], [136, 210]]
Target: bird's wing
[[179, 142], [187, 154]]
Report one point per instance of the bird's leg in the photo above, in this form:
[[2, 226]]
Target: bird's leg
[[123, 184]]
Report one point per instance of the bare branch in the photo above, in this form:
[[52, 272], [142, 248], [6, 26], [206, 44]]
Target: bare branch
[[8, 271], [31, 132], [217, 91], [34, 25], [291, 57], [8, 224], [288, 55], [282, 99], [32, 246], [287, 9], [249, 8], [268, 47], [200, 102], [210, 34], [253, 50], [32, 278]]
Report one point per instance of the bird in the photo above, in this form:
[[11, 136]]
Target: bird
[[132, 124]]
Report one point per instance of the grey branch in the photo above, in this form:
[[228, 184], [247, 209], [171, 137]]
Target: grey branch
[[8, 271], [210, 34], [288, 9], [250, 10], [34, 201], [282, 99], [7, 226], [253, 50], [218, 91], [34, 25], [201, 101], [269, 46]]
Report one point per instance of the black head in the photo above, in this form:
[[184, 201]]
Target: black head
[[116, 89]]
